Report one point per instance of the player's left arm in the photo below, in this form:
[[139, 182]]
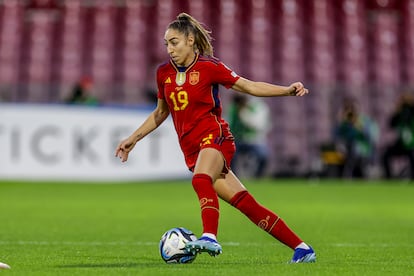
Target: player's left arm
[[264, 89]]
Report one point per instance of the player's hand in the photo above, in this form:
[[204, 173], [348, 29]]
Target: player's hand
[[123, 149], [298, 89]]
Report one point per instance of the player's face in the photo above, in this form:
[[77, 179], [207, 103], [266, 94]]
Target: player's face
[[179, 47]]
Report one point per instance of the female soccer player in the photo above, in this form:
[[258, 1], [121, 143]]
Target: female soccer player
[[188, 90]]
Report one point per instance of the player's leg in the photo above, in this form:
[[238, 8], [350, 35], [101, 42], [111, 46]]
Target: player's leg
[[209, 165], [233, 191]]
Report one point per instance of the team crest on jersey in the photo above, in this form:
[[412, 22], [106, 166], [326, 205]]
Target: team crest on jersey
[[168, 80], [194, 77]]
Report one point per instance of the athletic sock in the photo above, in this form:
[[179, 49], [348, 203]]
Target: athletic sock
[[209, 204], [210, 236], [265, 219], [303, 245]]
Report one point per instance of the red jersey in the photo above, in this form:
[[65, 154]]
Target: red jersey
[[191, 94]]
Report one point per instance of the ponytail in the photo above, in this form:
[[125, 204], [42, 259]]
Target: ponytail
[[187, 24]]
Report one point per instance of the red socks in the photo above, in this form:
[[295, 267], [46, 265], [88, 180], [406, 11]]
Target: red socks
[[265, 219], [203, 186], [261, 216]]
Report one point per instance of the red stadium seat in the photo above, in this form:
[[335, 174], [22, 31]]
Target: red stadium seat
[[11, 24], [70, 65], [291, 41], [407, 31], [39, 49], [386, 67], [260, 27]]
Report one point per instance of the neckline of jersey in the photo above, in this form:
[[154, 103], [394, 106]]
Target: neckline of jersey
[[182, 69]]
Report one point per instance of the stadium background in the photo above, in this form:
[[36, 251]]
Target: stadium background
[[362, 48]]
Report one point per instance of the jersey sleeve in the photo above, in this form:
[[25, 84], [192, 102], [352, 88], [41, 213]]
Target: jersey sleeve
[[224, 75]]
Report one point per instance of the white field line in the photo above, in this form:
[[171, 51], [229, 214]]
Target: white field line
[[373, 245], [148, 243], [95, 243]]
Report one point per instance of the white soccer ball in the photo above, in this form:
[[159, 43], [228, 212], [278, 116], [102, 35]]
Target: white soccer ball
[[172, 246]]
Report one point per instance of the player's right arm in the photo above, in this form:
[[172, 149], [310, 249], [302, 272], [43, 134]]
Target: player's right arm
[[156, 118]]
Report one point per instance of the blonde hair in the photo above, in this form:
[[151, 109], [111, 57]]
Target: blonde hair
[[186, 24]]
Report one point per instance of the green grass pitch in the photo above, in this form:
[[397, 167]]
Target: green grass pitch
[[356, 228]]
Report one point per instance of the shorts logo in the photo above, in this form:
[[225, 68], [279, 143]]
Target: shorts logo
[[206, 140], [194, 77]]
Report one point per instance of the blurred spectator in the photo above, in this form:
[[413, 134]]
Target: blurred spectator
[[249, 120], [81, 93], [402, 122], [356, 137]]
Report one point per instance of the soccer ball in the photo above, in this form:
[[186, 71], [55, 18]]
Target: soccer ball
[[172, 246]]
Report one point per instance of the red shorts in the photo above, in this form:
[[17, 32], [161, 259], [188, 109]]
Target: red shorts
[[226, 147], [224, 144]]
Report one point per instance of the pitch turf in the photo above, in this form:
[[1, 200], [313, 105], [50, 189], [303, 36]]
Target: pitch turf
[[356, 228]]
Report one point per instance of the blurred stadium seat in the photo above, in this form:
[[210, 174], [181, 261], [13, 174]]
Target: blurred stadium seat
[[11, 24], [407, 37]]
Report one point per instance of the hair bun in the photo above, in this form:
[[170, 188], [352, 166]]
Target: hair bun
[[183, 17]]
